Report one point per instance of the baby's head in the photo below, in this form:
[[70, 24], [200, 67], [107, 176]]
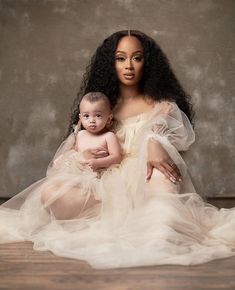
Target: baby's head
[[95, 112]]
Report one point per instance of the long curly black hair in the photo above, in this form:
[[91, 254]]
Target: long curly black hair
[[158, 81]]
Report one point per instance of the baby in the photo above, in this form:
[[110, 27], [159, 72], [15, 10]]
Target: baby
[[95, 118]]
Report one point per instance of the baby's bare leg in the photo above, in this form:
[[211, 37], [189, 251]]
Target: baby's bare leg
[[69, 205]]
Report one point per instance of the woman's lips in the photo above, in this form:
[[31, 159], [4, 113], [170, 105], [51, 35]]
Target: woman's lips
[[129, 76]]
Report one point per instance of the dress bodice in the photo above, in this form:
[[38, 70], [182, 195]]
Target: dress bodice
[[128, 129], [164, 121]]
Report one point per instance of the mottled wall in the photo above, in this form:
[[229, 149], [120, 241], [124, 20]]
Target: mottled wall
[[45, 46]]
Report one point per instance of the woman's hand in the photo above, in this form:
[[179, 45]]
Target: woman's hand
[[159, 158]]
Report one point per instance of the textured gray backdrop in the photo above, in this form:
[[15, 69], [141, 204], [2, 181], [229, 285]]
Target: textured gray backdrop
[[45, 47]]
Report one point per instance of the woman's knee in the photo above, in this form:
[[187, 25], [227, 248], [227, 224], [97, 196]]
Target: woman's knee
[[47, 193], [160, 183]]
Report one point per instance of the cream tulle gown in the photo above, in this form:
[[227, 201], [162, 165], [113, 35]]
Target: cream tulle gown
[[133, 223]]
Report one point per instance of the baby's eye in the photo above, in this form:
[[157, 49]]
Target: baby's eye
[[86, 116], [99, 116]]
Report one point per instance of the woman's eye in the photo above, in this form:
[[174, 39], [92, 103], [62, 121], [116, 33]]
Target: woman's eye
[[137, 58], [120, 58]]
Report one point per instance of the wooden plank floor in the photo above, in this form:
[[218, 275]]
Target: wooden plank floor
[[22, 268]]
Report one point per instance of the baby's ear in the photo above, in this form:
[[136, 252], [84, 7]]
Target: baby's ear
[[110, 117]]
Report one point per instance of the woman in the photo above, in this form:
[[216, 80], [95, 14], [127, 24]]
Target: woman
[[144, 211]]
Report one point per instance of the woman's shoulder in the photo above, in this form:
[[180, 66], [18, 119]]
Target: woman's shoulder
[[164, 106]]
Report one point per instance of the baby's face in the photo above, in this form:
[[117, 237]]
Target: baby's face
[[94, 116]]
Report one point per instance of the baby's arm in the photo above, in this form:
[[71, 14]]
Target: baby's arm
[[114, 156]]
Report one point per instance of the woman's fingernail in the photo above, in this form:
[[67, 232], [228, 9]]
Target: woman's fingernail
[[173, 179], [180, 179]]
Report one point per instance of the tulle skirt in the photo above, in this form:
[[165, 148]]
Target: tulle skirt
[[132, 223]]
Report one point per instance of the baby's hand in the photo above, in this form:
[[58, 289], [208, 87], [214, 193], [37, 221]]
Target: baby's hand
[[92, 163], [95, 153]]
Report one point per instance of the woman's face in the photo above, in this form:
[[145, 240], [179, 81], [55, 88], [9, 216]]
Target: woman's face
[[129, 61]]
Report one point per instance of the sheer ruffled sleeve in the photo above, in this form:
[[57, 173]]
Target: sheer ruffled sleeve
[[170, 124], [170, 127]]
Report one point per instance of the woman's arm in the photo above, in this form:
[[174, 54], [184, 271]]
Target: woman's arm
[[172, 131], [114, 156], [159, 158]]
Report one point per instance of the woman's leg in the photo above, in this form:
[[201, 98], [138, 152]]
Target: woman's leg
[[160, 184], [69, 205]]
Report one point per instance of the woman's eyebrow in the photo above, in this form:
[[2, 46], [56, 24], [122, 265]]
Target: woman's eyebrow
[[132, 53]]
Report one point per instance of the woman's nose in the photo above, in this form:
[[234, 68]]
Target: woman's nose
[[129, 64]]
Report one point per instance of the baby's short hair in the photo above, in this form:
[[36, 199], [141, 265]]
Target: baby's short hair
[[96, 96]]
